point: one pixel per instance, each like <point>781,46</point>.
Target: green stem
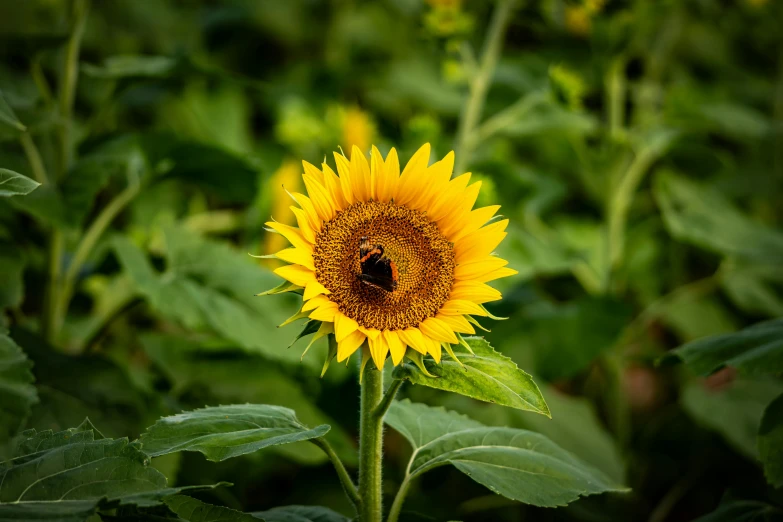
<point>70,76</point>
<point>53,285</point>
<point>399,499</point>
<point>387,400</point>
<point>345,479</point>
<point>370,445</point>
<point>86,245</point>
<point>481,82</point>
<point>508,116</point>
<point>34,158</point>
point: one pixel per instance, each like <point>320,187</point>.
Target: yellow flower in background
<point>577,20</point>
<point>400,260</point>
<point>757,3</point>
<point>287,175</point>
<point>358,129</point>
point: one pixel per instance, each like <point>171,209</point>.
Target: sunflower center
<point>424,259</point>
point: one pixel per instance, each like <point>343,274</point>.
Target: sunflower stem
<point>370,445</point>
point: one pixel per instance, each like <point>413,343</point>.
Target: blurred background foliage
<point>636,145</point>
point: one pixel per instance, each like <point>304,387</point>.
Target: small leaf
<point>756,350</point>
<point>700,215</point>
<point>17,393</point>
<point>192,510</point>
<point>301,514</point>
<point>132,66</point>
<point>8,117</point>
<point>518,464</point>
<point>771,442</point>
<point>223,432</point>
<point>484,374</point>
<point>14,184</point>
<point>62,511</point>
<point>310,328</point>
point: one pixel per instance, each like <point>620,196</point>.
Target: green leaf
<point>484,374</point>
<point>62,511</point>
<point>231,376</point>
<point>14,184</point>
<point>771,442</point>
<point>734,411</point>
<point>301,514</point>
<point>517,464</point>
<point>193,510</point>
<point>223,432</point>
<point>755,288</point>
<point>700,215</point>
<point>756,350</point>
<point>7,117</point>
<point>17,393</point>
<point>744,511</point>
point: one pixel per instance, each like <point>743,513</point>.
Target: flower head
<point>399,260</point>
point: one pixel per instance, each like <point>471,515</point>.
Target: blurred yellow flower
<point>394,259</point>
<point>577,20</point>
<point>358,129</point>
<point>757,3</point>
<point>288,175</point>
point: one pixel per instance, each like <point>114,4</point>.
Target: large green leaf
<point>734,411</point>
<point>223,432</point>
<point>517,464</point>
<point>756,350</point>
<point>193,510</point>
<point>61,511</point>
<point>14,184</point>
<point>744,511</point>
<point>215,374</point>
<point>771,442</point>
<point>702,216</point>
<point>210,286</point>
<point>484,374</point>
<point>17,393</point>
<point>301,514</point>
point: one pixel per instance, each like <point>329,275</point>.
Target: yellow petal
<point>413,338</point>
<point>344,170</point>
<point>438,330</point>
<point>457,323</point>
<point>347,346</point>
<point>291,234</point>
<point>314,302</point>
<point>332,184</point>
<point>473,221</point>
<point>360,175</point>
<point>480,243</point>
<point>444,203</point>
<point>412,178</point>
<point>478,268</point>
<point>379,348</point>
<point>344,326</point>
<point>304,224</point>
<point>475,292</point>
<point>298,275</point>
<point>371,333</point>
<point>309,208</point>
<point>497,274</point>
<point>461,307</point>
<point>396,347</point>
<point>324,206</point>
<point>456,219</point>
<point>297,256</point>
<point>312,170</point>
<point>325,312</point>
<point>377,175</point>
<point>437,178</point>
<point>313,289</point>
<point>391,168</point>
<point>433,348</point>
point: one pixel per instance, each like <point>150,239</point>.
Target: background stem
<point>399,499</point>
<point>345,479</point>
<point>370,445</point>
<point>480,84</point>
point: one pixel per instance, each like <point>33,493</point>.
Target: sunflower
<point>395,262</point>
